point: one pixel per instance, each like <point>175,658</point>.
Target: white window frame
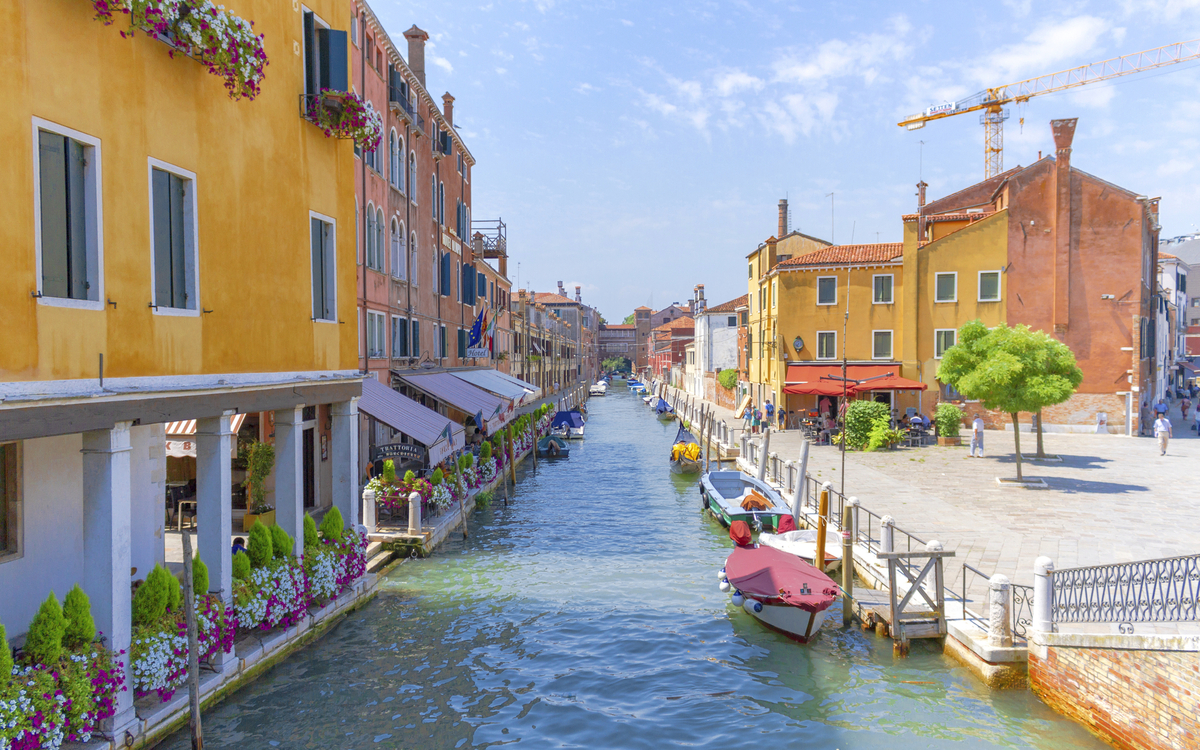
<point>93,190</point>
<point>413,276</point>
<point>382,250</point>
<point>979,285</point>
<point>937,276</point>
<point>774,293</point>
<point>412,177</point>
<point>332,266</point>
<point>835,291</point>
<point>399,253</point>
<point>936,331</point>
<point>368,250</point>
<point>317,20</point>
<point>376,334</point>
<point>891,343</point>
<point>817,349</point>
<point>191,243</point>
<point>399,323</point>
<point>892,288</point>
<point>393,159</point>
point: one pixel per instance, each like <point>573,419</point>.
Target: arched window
<point>393,160</point>
<point>400,179</point>
<point>435,267</point>
<point>433,195</point>
<point>371,262</point>
<point>399,256</point>
<point>441,204</point>
<point>380,240</point>
<point>412,175</point>
<point>412,258</point>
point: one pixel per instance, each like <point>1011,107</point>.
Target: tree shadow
<point>1071,486</point>
<point>1075,462</point>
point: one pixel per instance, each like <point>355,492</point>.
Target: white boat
<point>567,424</point>
<point>599,389</point>
<point>803,544</point>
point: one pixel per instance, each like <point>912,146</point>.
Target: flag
<point>479,419</point>
<point>491,331</point>
<point>445,433</point>
<point>477,330</point>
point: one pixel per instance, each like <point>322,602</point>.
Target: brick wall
<point>1080,409</point>
<point>1132,699</point>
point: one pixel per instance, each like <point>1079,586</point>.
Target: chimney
<point>1064,134</point>
<point>700,304</point>
<point>578,293</point>
<point>921,194</point>
<point>416,52</point>
<point>783,218</point>
<point>561,290</point>
<point>448,108</point>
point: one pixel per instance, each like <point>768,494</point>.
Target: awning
<point>463,396</point>
<point>533,389</point>
<point>490,380</point>
<point>808,378</point>
<point>893,383</point>
<point>181,436</point>
<point>437,433</point>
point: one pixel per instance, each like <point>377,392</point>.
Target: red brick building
<point>666,347</point>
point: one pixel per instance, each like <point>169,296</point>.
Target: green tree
<point>629,319</point>
<point>1011,370</point>
<point>728,379</point>
<point>81,628</point>
<point>260,460</point>
<point>44,641</point>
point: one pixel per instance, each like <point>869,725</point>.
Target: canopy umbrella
<point>890,383</point>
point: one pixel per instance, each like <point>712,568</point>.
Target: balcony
<point>398,96</point>
<point>489,238</point>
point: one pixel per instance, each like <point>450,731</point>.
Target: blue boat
<point>567,424</point>
<point>664,410</point>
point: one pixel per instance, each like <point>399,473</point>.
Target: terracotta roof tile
<point>1167,256</point>
<point>847,254</point>
<point>618,327</point>
<point>550,298</point>
<point>972,216</point>
<point>684,322</point>
<point>730,306</point>
<point>643,307</point>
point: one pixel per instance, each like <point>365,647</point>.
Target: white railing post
<point>852,502</point>
<point>368,509</point>
<point>414,513</point>
<point>1043,594</point>
<point>887,534</point>
<point>1000,611</point>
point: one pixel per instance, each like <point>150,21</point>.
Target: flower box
<point>949,440</point>
<point>268,519</point>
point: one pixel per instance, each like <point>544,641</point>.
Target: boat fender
<point>724,586</point>
<point>738,599</point>
<point>721,574</point>
<point>752,607</point>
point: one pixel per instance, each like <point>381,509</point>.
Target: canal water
<point>586,614</point>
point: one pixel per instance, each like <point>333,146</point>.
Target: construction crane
<point>990,102</point>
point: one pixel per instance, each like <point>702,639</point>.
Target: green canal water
<point>586,614</point>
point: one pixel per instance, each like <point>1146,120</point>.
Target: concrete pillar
<point>1043,595</point>
<point>887,535</point>
<point>289,474</point>
<point>345,460</point>
<point>1000,611</point>
<point>214,511</point>
<point>762,453</point>
<point>368,506</point>
<point>414,513</point>
<point>852,503</point>
<point>106,547</point>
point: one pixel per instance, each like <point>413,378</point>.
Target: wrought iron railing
<point>1165,590</point>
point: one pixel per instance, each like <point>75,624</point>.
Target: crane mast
<point>990,102</point>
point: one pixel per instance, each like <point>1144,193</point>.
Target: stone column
<point>106,545</point>
<point>368,506</point>
<point>345,460</point>
<point>1043,595</point>
<point>289,474</point>
<point>214,501</point>
<point>1000,611</point>
<point>887,535</point>
<point>414,513</point>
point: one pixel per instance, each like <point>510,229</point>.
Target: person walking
<point>1184,407</point>
<point>770,412</point>
<point>977,436</point>
<point>1162,431</point>
<point>1196,421</point>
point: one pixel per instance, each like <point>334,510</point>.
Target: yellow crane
<point>990,102</point>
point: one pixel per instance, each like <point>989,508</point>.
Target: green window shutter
<point>52,181</point>
<point>318,268</point>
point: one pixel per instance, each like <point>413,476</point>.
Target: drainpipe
<point>362,163</point>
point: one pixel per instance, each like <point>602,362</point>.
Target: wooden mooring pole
<point>848,560</point>
<point>189,615</point>
<point>822,522</point>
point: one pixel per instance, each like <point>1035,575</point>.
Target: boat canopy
<point>768,573</point>
<point>684,435</point>
<point>567,418</point>
<point>662,407</point>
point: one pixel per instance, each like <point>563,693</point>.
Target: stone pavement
<point>1111,499</point>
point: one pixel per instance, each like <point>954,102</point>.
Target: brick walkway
<point>1112,499</point>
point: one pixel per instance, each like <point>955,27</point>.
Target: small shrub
<point>409,476</point>
<point>485,451</point>
<point>310,529</point>
<point>727,379</point>
<point>199,576</point>
<point>81,628</point>
<point>241,566</point>
<point>882,435</point>
<point>281,543</point>
<point>438,477</point>
<point>948,418</point>
<point>389,471</point>
<point>6,660</point>
<point>332,525</point>
<point>174,592</point>
<point>44,641</point>
<point>260,460</point>
<point>259,547</point>
<point>483,499</point>
<point>150,599</point>
<point>860,419</point>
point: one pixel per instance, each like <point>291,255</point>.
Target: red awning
<point>808,378</point>
<point>893,383</point>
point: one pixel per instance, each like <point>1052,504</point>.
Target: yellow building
<point>176,264</point>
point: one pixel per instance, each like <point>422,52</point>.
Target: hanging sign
<point>407,451</point>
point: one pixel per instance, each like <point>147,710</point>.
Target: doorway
<point>310,468</point>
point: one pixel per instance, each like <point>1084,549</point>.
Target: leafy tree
<point>260,459</point>
<point>728,379</point>
<point>1011,370</point>
<point>861,416</point>
<point>629,319</point>
<point>81,628</point>
<point>44,641</point>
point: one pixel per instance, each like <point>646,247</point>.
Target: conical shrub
<point>260,547</point>
<point>44,641</point>
<point>332,526</point>
<point>281,543</point>
<point>81,628</point>
<point>199,576</point>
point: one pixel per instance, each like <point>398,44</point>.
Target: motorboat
<point>664,410</point>
<point>599,389</point>
<point>779,590</point>
<point>553,446</point>
<point>567,424</point>
<point>736,496</point>
<point>803,544</point>
<point>685,453</point>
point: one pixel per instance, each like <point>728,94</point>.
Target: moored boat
<point>600,388</point>
<point>685,453</point>
<point>664,410</point>
<point>803,544</point>
<point>780,590</point>
<point>553,446</point>
<point>567,424</point>
<point>735,496</point>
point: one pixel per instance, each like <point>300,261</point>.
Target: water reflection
<point>586,614</point>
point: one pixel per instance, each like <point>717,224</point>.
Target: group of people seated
<point>914,422</point>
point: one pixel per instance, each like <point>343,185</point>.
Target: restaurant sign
<point>405,451</point>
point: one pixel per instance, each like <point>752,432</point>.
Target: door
<point>310,469</point>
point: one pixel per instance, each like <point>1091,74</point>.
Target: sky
<point>640,148</point>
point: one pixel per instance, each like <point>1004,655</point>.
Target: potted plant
<point>948,419</point>
<point>260,460</point>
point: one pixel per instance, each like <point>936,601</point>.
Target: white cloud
<point>442,63</point>
<point>585,88</point>
<point>1174,167</point>
<point>1052,45</point>
<point>626,22</point>
<point>1019,8</point>
<point>838,57</point>
<point>733,81</point>
<point>501,71</point>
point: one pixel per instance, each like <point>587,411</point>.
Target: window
<point>433,195</point>
<point>380,240</point>
<point>750,268</point>
<point>415,339</point>
<point>881,345</point>
<point>399,337</point>
<point>989,286</point>
<point>394,161</point>
<point>443,348</point>
<point>441,204</point>
<point>945,287</point>
<point>376,335</point>
<point>731,321</point>
<point>462,344</point>
<point>826,344</point>
<point>775,293</point>
<point>68,232</point>
<point>412,255</point>
<point>436,268</point>
<point>412,176</point>
<point>325,56</point>
<point>324,267</point>
<point>827,290</point>
<point>371,261</point>
<point>398,158</point>
<point>10,502</point>
<point>173,237</point>
<point>943,339</point>
<point>446,275</point>
<point>399,254</point>
<point>883,289</point>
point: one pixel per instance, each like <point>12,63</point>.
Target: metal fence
<point>1165,590</point>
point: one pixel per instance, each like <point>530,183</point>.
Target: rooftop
<point>618,327</point>
<point>551,298</point>
<point>730,306</point>
<point>880,252</point>
<point>684,322</point>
